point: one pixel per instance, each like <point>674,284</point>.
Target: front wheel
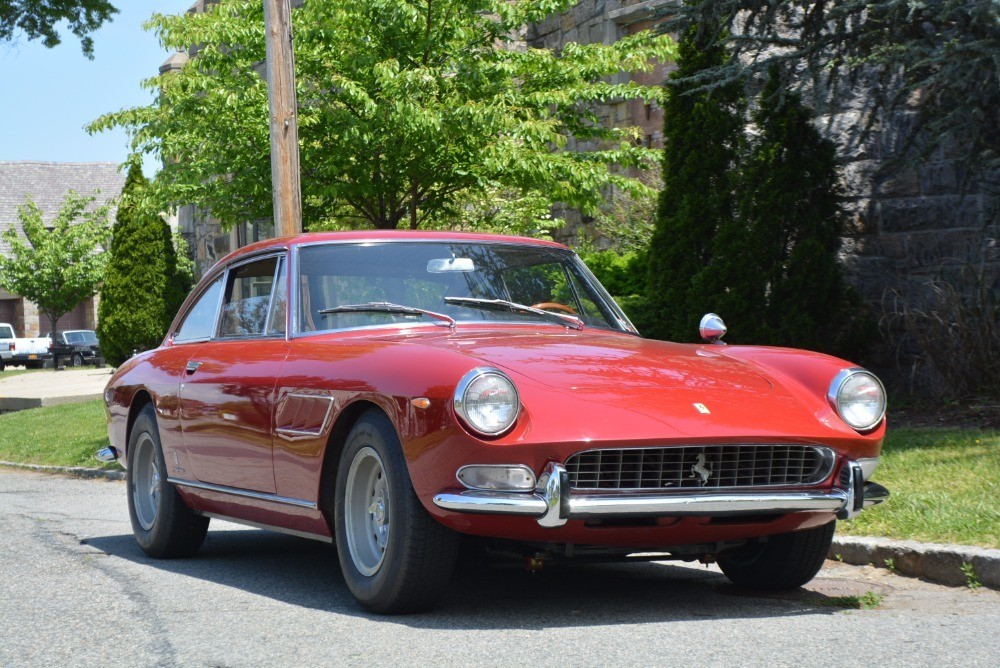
<point>395,557</point>
<point>785,561</point>
<point>78,360</point>
<point>163,525</point>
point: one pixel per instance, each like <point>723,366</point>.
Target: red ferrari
<point>391,392</point>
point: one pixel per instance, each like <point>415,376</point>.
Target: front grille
<point>700,467</point>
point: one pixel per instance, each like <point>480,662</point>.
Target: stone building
<point>47,184</point>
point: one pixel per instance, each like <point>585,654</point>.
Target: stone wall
<point>906,225</point>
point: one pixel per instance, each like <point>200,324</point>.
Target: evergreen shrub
<point>142,290</point>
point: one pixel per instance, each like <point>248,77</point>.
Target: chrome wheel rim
<point>146,482</point>
<point>366,511</point>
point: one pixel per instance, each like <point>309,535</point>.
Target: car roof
<point>381,235</point>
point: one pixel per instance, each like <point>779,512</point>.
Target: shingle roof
<point>47,184</point>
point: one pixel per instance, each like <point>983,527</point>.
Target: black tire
<point>785,561</point>
<point>410,571</point>
<point>163,525</point>
<point>78,360</point>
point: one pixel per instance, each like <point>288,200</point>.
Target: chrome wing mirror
<point>712,329</point>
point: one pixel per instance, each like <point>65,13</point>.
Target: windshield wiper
<point>389,307</point>
<point>513,307</point>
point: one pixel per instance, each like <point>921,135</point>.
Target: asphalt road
<point>76,591</point>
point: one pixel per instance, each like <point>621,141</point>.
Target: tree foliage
<point>936,57</point>
<point>59,266</point>
<point>40,19</point>
<point>703,142</point>
<point>407,110</point>
<point>778,279</point>
<point>142,287</point>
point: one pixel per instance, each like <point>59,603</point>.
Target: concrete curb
<point>77,471</point>
<point>929,561</point>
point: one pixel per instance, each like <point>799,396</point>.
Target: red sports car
<point>391,392</point>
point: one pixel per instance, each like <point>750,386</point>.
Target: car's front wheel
<point>77,359</point>
<point>162,523</point>
<point>395,557</point>
<point>785,561</point>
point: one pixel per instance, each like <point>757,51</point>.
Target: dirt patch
<point>975,413</point>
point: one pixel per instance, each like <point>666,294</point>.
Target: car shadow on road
<point>494,595</point>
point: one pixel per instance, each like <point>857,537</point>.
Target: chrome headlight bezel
<point>834,395</point>
<point>461,400</point>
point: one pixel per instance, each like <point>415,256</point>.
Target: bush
<point>142,287</point>
<point>957,329</point>
<point>703,137</point>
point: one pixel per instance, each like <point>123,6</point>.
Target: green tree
<point>703,138</point>
<point>58,266</point>
<point>777,268</point>
<point>40,19</point>
<point>935,57</point>
<point>142,287</point>
<point>407,110</point>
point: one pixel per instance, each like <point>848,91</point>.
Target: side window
<point>248,298</point>
<point>200,320</point>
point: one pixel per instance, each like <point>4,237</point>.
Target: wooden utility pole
<point>283,107</point>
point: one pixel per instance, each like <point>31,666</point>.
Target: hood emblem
<point>702,408</point>
<point>700,469</point>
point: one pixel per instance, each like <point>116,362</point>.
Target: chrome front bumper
<point>553,504</point>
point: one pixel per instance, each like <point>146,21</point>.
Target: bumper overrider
<point>552,503</point>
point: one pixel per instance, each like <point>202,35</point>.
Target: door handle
<point>192,366</point>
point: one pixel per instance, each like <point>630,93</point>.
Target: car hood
<point>597,360</point>
<point>605,380</point>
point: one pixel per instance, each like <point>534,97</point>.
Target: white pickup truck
<point>22,352</point>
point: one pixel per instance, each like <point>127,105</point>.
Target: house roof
<point>47,184</point>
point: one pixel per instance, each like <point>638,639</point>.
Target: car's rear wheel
<point>395,557</point>
<point>785,561</point>
<point>162,523</point>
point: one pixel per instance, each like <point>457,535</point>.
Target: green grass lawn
<point>945,483</point>
<point>66,435</point>
<point>945,486</point>
<point>11,371</point>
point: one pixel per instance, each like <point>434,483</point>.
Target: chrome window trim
<point>245,493</point>
<point>218,307</point>
<point>256,257</point>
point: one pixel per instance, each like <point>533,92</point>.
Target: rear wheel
<point>162,523</point>
<point>785,561</point>
<point>395,557</point>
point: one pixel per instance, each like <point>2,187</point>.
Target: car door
<point>227,390</point>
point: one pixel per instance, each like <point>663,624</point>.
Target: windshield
<point>461,280</point>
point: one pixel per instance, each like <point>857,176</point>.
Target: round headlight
<point>487,401</point>
<point>858,397</point>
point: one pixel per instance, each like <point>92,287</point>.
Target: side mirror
<point>712,329</point>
